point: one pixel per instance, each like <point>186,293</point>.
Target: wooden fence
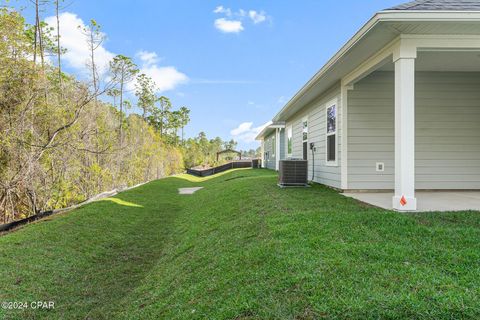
<point>224,167</point>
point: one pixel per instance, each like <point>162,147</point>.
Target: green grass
<point>242,248</point>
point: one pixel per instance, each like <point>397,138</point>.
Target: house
<point>397,108</point>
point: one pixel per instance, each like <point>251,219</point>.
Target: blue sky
<point>233,63</point>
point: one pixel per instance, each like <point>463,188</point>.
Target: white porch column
<point>404,198</point>
<point>277,149</point>
<point>344,135</point>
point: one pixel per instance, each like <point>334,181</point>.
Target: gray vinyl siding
<point>447,134</point>
<point>371,132</point>
<point>282,145</point>
<point>269,144</point>
<point>316,113</point>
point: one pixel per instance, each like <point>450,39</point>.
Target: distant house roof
<point>229,151</point>
<point>440,5</point>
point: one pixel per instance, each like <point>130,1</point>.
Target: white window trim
<point>305,119</point>
<point>264,155</point>
<point>329,105</point>
<point>273,143</point>
<point>289,130</point>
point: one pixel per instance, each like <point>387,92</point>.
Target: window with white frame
<point>273,146</point>
<point>305,138</point>
<point>331,134</point>
<point>289,141</point>
<point>305,129</point>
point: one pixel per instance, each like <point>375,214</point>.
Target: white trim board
<point>330,104</point>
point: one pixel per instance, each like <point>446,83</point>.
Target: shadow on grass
<point>89,260</point>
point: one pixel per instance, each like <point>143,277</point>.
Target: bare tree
<point>184,120</point>
<point>145,92</point>
<point>164,111</point>
<point>59,48</point>
<point>95,39</point>
<point>123,71</point>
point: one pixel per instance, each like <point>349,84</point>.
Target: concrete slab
<point>188,190</point>
<point>426,201</point>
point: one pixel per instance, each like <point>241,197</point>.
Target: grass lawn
<point>242,248</point>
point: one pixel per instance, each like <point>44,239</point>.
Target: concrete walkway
<point>189,190</point>
<point>426,201</point>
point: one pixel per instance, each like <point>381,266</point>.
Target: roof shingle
<point>440,5</point>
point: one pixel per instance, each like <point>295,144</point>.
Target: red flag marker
<point>403,201</point>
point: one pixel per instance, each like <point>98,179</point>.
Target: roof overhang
<point>378,32</point>
<point>269,129</point>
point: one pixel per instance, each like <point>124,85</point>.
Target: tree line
<point>63,140</point>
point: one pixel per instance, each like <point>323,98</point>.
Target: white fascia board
<point>382,16</point>
<point>269,129</point>
<point>429,15</point>
<point>263,134</point>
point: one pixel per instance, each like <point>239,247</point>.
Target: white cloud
<point>147,57</point>
<point>221,9</point>
<point>245,132</point>
<point>242,128</point>
<point>257,17</point>
<point>228,26</point>
<point>235,25</point>
<point>78,55</point>
<point>72,39</point>
<point>166,78</point>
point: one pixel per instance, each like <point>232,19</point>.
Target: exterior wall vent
<point>293,173</point>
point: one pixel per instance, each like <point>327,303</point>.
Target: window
<point>289,140</point>
<point>305,138</point>
<point>305,129</point>
<point>273,146</point>
<point>331,134</point>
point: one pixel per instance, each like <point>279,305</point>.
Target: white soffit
<point>376,34</point>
